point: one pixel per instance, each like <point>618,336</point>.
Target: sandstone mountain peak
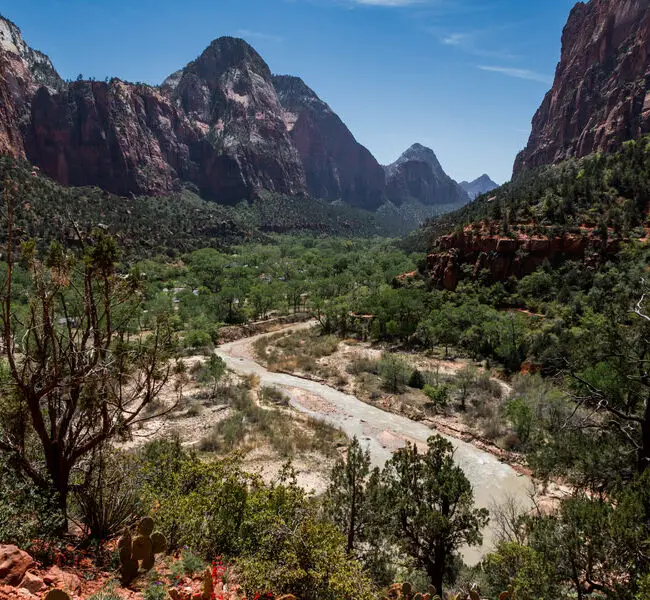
<point>418,175</point>
<point>420,153</point>
<point>600,95</point>
<point>221,54</point>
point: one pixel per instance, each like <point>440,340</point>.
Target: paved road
<point>382,432</point>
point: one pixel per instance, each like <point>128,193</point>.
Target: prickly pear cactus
<point>140,552</point>
<point>56,594</point>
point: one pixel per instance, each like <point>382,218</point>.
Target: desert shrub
<point>274,396</point>
<point>108,592</point>
<point>191,563</point>
<point>522,570</point>
<point>200,505</point>
<point>225,435</point>
<point>394,372</point>
<point>438,395</point>
<point>358,366</point>
<point>156,590</point>
<point>26,513</point>
<point>281,521</point>
<point>108,499</point>
<point>520,414</point>
<point>417,380</point>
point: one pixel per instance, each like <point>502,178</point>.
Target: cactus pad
<point>145,527</point>
<point>142,547</point>
<point>159,542</point>
<point>56,594</point>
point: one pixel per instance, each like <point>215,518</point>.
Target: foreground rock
<point>600,95</point>
<point>14,563</point>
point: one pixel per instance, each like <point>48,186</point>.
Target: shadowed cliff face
<point>22,71</point>
<point>417,175</point>
<point>600,96</point>
<point>337,167</point>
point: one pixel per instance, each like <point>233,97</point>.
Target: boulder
<point>13,565</point>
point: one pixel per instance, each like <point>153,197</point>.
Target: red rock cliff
<point>495,257</point>
<point>600,96</point>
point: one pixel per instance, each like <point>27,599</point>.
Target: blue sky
<point>461,76</point>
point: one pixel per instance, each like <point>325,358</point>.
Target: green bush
<point>156,591</point>
<point>28,517</point>
<point>394,372</point>
<point>191,563</point>
<point>438,394</point>
<point>417,380</point>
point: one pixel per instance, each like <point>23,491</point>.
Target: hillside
<point>167,225</point>
<point>578,208</point>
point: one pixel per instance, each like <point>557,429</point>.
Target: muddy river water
<point>382,433</point>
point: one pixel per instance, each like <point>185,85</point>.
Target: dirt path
<point>383,433</point>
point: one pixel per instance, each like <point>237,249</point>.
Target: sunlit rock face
<point>600,96</point>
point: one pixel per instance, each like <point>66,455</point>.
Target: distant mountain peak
<point>481,185</point>
<point>418,153</point>
<point>418,175</point>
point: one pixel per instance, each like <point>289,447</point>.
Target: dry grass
<point>253,423</point>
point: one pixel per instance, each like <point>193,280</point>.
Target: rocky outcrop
<point>601,93</point>
<point>418,176</point>
<point>493,257</point>
<point>14,563</point>
<point>216,124</point>
<point>479,186</point>
<point>118,136</point>
<point>336,166</point>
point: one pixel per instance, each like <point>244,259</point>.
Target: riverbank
<point>383,432</point>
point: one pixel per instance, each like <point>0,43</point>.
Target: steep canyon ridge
<point>223,126</point>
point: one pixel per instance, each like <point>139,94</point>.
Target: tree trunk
<point>435,571</point>
<point>643,456</point>
<point>60,474</point>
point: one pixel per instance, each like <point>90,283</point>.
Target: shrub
<point>108,592</point>
<point>394,372</point>
<point>521,416</point>
<point>108,499</point>
<point>358,366</point>
<point>26,514</point>
<point>191,563</point>
<point>417,380</point>
<point>273,396</point>
<point>155,591</point>
<point>439,395</point>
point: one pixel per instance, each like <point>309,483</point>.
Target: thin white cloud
<point>259,36</point>
<point>456,39</point>
<point>518,73</point>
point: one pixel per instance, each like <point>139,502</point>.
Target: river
<point>382,433</point>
